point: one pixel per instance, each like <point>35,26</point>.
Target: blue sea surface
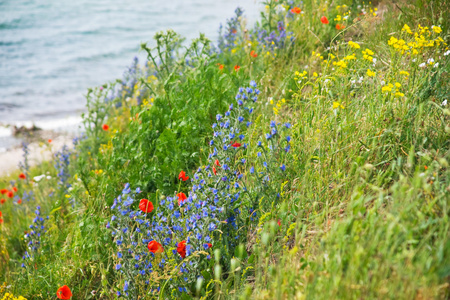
<point>52,51</point>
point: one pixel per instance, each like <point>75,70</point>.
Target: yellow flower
<point>370,73</point>
<point>354,45</point>
<point>337,105</point>
<point>436,29</point>
<point>341,64</point>
<point>367,54</point>
<point>407,29</point>
<point>404,73</point>
<point>398,94</point>
<point>387,88</point>
<point>398,85</point>
<point>315,74</point>
<point>338,18</point>
<point>350,57</point>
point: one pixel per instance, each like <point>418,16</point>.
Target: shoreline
<point>42,143</point>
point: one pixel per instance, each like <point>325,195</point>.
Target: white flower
<point>436,65</point>
<point>38,178</point>
<point>49,177</point>
<point>414,60</point>
<point>447,53</point>
<point>383,82</point>
<point>430,61</point>
<point>422,65</point>
<point>360,80</point>
<point>444,103</point>
<point>374,60</point>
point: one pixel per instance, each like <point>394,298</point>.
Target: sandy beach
<point>39,151</point>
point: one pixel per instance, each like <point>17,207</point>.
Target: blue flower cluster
<point>62,162</point>
<point>35,235</point>
<point>232,34</point>
<point>215,214</point>
<point>274,39</point>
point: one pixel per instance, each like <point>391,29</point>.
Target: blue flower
<point>253,83</point>
<point>283,167</point>
<point>288,139</point>
<point>272,124</point>
<point>288,125</point>
<point>211,226</point>
<point>252,170</point>
<point>218,117</point>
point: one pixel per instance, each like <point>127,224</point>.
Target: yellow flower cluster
<point>420,41</point>
<point>9,296</point>
<point>341,64</point>
<point>350,57</point>
<point>370,73</point>
<point>299,75</point>
<point>148,102</point>
<point>368,54</point>
<point>277,106</point>
<point>337,105</point>
<point>354,45</point>
<point>395,88</point>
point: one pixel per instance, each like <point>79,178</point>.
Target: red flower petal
<point>146,206</point>
<point>324,20</point>
<point>155,247</point>
<point>64,292</point>
<point>181,249</point>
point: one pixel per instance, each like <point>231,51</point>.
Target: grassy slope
<point>361,216</point>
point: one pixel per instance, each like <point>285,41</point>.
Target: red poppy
<point>14,189</point>
<point>1,221</point>
<point>155,247</point>
<point>105,127</point>
<point>3,191</point>
<point>2,201</point>
<point>183,176</point>
<point>235,145</point>
<point>324,20</point>
<point>19,201</point>
<point>22,176</point>
<point>64,292</point>
<point>10,194</point>
<point>181,198</point>
<point>340,26</point>
<point>236,68</point>
<point>296,10</point>
<point>253,53</point>
<point>49,140</point>
<point>214,171</point>
<point>0,214</point>
<point>220,66</point>
<point>181,249</point>
<point>146,206</point>
<point>279,222</point>
<point>217,163</point>
<point>209,245</point>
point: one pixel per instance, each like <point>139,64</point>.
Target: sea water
<point>52,51</point>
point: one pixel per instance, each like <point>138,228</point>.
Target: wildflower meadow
<point>303,157</point>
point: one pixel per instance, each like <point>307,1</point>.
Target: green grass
<point>364,212</point>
